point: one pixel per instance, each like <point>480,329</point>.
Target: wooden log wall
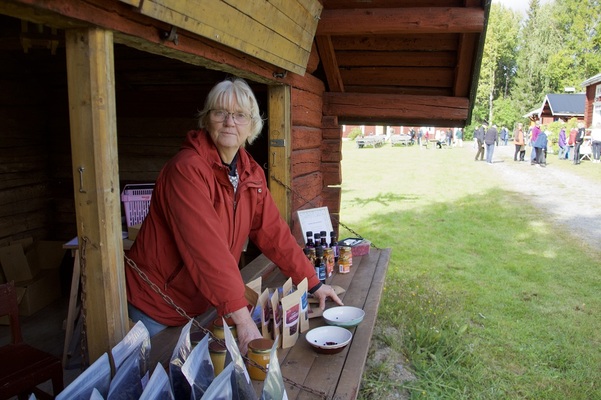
<point>157,99</point>
<point>27,118</point>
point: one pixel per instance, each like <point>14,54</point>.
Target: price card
<point>315,220</point>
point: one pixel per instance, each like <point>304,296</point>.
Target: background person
<point>596,143</point>
<point>491,137</point>
<point>518,141</point>
<point>207,201</point>
<point>578,142</point>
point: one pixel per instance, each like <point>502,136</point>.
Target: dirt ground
<point>571,201</point>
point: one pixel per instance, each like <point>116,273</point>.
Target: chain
<point>206,331</point>
<point>83,283</point>
<point>312,204</point>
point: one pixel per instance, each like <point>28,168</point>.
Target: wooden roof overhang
<point>401,62</point>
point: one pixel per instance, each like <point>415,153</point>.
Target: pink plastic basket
<point>136,201</point>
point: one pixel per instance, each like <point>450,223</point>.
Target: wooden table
<point>338,376</point>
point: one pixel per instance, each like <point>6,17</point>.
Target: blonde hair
<point>227,93</point>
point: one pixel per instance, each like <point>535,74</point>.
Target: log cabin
<point>97,94</point>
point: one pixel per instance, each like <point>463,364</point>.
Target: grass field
<point>484,299</point>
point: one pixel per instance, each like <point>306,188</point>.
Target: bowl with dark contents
<point>344,316</point>
<point>329,339</point>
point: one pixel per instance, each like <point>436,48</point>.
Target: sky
<point>517,5</point>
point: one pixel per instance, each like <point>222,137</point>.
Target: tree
<point>498,61</point>
<point>539,41</point>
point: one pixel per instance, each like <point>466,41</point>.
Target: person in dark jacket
<point>208,199</point>
<point>578,142</point>
<point>540,148</point>
<point>490,138</point>
<point>479,136</point>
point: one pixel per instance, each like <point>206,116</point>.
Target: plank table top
<point>329,376</point>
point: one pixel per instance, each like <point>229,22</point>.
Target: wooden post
<point>91,79</point>
<point>280,147</point>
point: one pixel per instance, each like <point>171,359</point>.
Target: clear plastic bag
<point>158,387</point>
<point>96,376</point>
<point>198,369</point>
<point>181,351</point>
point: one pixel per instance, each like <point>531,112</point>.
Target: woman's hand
<point>246,328</point>
<point>323,293</point>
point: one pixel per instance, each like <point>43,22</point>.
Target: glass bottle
<point>334,245</point>
<point>320,266</point>
<point>310,242</point>
<point>323,239</point>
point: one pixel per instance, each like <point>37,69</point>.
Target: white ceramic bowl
<point>329,339</point>
<point>345,316</point>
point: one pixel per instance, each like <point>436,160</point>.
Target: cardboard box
<point>35,270</point>
<point>15,264</point>
<point>359,246</point>
<point>40,292</point>
<point>132,231</point>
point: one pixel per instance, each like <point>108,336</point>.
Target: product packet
<point>304,302</point>
<point>126,383</point>
<point>136,341</point>
<point>221,387</point>
<point>96,376</point>
<point>94,396</point>
<point>291,312</point>
<point>198,368</point>
<point>264,307</point>
<point>158,387</point>
<point>276,316</point>
<point>181,351</point>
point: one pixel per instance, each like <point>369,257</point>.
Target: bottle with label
<point>334,245</point>
<point>323,239</point>
<point>320,266</point>
<point>317,239</point>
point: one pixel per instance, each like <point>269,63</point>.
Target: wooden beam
<point>389,21</point>
<point>330,64</point>
<point>396,59</point>
<point>401,76</point>
<point>93,121</point>
<point>280,147</point>
<point>463,72</point>
<point>394,107</point>
<point>391,43</point>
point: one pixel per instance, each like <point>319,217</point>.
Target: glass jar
<point>218,328</point>
<point>345,260</point>
<point>217,351</point>
<point>259,351</point>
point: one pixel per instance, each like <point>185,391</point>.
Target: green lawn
<point>484,299</point>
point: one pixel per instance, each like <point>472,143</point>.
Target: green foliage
<point>557,45</point>
<point>354,133</point>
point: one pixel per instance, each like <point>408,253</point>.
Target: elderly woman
<point>207,201</point>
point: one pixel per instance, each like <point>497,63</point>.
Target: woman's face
<point>228,129</point>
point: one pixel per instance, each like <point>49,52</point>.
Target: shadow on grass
<point>384,199</point>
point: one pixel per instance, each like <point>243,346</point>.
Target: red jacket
<point>190,242</point>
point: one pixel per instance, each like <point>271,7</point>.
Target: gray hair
<point>223,96</point>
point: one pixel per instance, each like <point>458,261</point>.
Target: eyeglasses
<point>221,115</point>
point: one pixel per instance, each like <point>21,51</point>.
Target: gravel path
<point>571,200</point>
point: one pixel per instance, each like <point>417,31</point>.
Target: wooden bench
<point>335,376</point>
